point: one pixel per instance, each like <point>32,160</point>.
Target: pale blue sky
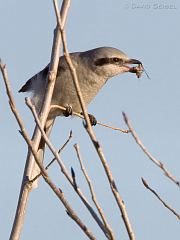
<point>142,31</point>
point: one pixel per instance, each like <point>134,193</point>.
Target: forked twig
<point>160,199</point>
<point>54,159</point>
<point>60,150</point>
<point>93,195</point>
<point>153,159</point>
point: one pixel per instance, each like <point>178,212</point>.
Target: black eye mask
<point>104,61</point>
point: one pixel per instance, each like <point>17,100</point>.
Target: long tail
<point>35,169</point>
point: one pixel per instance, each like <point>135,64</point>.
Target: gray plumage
<point>93,67</point>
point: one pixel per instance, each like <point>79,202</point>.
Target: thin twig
<point>63,168</point>
<point>160,199</point>
<point>60,150</point>
<point>99,123</point>
<point>92,136</point>
<point>58,193</point>
<point>153,159</point>
<point>54,159</point>
<point>93,195</point>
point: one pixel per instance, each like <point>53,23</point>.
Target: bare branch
<point>63,168</point>
<point>153,159</point>
<point>94,140</point>
<point>50,82</point>
<point>93,195</point>
<point>99,123</point>
<point>58,193</point>
<point>31,166</point>
<point>54,159</point>
<point>160,199</point>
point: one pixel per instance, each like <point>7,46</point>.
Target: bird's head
<point>109,62</point>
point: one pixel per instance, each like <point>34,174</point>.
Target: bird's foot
<point>92,119</point>
<point>68,111</point>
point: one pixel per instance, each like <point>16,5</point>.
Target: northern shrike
<point>93,67</point>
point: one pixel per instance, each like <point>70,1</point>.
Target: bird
<point>94,68</point>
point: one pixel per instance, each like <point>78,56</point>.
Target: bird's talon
<point>68,111</point>
<point>92,120</point>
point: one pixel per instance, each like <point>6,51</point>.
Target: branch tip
<point>72,172</point>
<point>125,117</point>
<point>70,134</point>
<point>2,65</point>
<point>148,154</point>
<point>20,132</point>
<point>144,182</point>
<point>160,199</point>
<point>68,213</point>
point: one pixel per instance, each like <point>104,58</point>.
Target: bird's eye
<point>115,59</point>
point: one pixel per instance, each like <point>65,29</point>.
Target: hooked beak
<point>133,61</point>
<point>135,69</point>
